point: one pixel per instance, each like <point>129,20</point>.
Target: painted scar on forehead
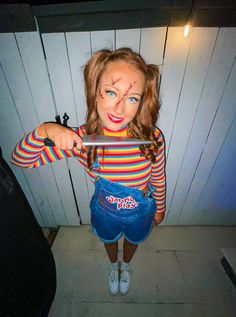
<point>100,94</point>
<point>127,92</point>
<point>114,81</point>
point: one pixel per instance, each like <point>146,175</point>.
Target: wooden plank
<point>173,67</point>
<point>34,63</point>
<point>105,15</point>
<point>10,132</point>
<point>152,45</point>
<point>102,40</point>
<point>17,81</point>
<point>218,200</point>
<point>79,52</point>
<point>51,186</point>
<point>202,44</point>
<point>13,68</point>
<point>175,59</point>
<point>128,38</point>
<point>66,193</point>
<point>220,128</point>
<point>30,47</point>
<point>23,181</point>
<point>39,191</point>
<point>105,21</point>
<point>219,68</point>
<point>63,90</point>
<point>16,18</point>
<point>59,71</point>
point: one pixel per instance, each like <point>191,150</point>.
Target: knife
<point>102,140</point>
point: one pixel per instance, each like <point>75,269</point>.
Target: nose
<point>119,106</point>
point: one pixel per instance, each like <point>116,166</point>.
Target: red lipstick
<point>114,119</point>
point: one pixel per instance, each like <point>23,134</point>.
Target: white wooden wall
<point>42,76</point>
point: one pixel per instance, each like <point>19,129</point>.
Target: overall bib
<point>118,210</point>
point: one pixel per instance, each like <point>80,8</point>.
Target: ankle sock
<point>125,266</point>
<point>114,266</point>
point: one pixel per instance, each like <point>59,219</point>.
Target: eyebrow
<point>133,93</point>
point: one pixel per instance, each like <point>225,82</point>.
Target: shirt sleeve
<point>158,176</point>
<point>31,152</point>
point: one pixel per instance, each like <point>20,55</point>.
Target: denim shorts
<point>118,210</point>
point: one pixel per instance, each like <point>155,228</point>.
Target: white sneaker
<point>113,280</point>
<point>124,280</point>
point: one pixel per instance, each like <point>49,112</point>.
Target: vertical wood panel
<point>152,45</point>
<point>194,210</point>
<point>33,59</point>
<point>10,132</point>
<point>65,189</point>
<point>18,84</point>
<point>59,71</point>
<point>128,38</point>
<point>218,200</point>
<point>202,45</point>
<point>15,73</point>
<point>220,66</point>
<point>56,50</point>
<point>79,52</point>
<point>175,59</point>
<point>102,39</point>
<point>30,49</point>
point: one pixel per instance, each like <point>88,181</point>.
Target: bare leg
<point>112,251</point>
<point>128,251</point>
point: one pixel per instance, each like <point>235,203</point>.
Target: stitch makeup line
<point>127,92</point>
<point>100,94</point>
<point>114,81</point>
<point>122,87</point>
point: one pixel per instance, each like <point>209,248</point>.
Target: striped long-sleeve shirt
<point>123,164</point>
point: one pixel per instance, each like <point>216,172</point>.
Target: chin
<point>114,127</point>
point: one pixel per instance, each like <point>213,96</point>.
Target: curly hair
<point>143,124</point>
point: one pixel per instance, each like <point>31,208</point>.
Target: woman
<point>129,198</point>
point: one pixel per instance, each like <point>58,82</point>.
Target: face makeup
<point>119,95</point>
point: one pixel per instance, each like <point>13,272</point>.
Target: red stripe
<point>125,172</point>
<point>105,163</point>
<point>26,153</point>
<point>48,157</point>
<point>123,180</point>
<point>119,154</point>
<point>55,152</point>
<point>31,144</point>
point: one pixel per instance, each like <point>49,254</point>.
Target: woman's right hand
<point>63,137</point>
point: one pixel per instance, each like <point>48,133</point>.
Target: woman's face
<point>119,94</point>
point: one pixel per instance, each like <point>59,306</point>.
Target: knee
<point>110,244</point>
<point>130,244</point>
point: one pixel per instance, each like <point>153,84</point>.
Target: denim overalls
<point>118,210</point>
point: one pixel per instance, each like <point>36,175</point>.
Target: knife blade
<point>103,140</point>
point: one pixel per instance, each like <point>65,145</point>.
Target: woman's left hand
<point>158,218</point>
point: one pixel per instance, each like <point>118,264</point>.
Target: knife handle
<point>49,142</point>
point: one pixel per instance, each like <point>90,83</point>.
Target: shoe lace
<point>114,275</point>
<point>124,276</point>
